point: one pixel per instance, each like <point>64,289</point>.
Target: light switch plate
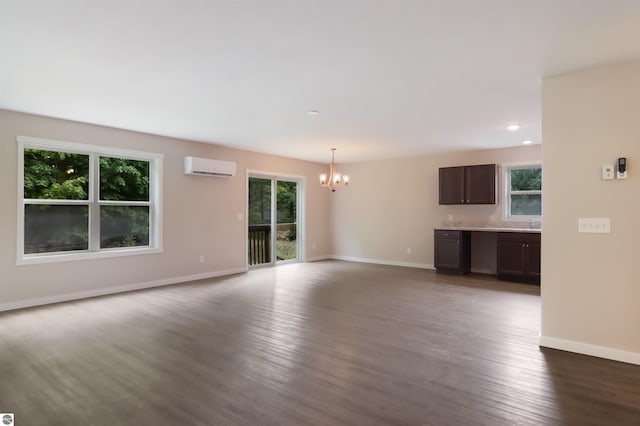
<point>607,172</point>
<point>594,225</point>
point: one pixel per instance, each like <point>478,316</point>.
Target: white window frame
<point>93,202</point>
<point>506,180</point>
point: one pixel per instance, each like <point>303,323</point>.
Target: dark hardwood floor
<point>326,343</point>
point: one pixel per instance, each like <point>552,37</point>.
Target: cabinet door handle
<point>523,245</point>
<point>457,242</point>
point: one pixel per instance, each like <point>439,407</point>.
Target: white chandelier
<point>335,178</point>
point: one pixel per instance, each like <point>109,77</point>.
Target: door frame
<point>300,215</point>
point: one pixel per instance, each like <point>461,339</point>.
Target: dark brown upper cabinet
<point>468,184</point>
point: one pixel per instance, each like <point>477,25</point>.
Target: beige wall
<point>393,205</point>
<point>590,289</point>
<point>590,282</point>
<point>200,214</point>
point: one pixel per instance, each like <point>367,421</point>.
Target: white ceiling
<point>390,78</point>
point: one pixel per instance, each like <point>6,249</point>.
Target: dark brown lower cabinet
<point>452,251</point>
<point>519,256</point>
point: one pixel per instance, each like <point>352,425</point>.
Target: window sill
<point>85,255</point>
<point>522,218</point>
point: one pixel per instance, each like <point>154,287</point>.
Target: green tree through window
<point>53,175</point>
<point>59,207</point>
<point>524,197</point>
<point>124,180</point>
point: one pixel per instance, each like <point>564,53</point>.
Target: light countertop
<point>490,229</point>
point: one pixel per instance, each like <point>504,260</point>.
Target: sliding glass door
<point>286,220</point>
<point>273,210</point>
<point>260,215</point>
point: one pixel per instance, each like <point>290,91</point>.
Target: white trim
<point>301,190</point>
<point>52,202</point>
<point>274,221</point>
<point>94,204</point>
<point>27,303</point>
<point>246,220</point>
<point>318,258</point>
<point>392,263</point>
<point>70,256</point>
<point>592,350</point>
<point>155,161</point>
<point>156,210</point>
<point>383,262</point>
<point>301,203</point>
<point>119,203</point>
<point>506,185</point>
<point>271,175</point>
<point>20,204</point>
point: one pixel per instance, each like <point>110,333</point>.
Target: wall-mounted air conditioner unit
<point>207,167</point>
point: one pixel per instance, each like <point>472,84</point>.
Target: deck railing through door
<point>259,244</point>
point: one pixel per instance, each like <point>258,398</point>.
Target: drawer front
<point>522,237</point>
<point>447,234</point>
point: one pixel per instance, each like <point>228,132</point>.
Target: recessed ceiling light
<point>513,127</point>
<point>313,112</point>
<point>527,142</point>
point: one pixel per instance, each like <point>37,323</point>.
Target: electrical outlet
<point>594,225</point>
<point>408,250</point>
<point>201,258</point>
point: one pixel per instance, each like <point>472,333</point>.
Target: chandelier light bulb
<point>333,179</point>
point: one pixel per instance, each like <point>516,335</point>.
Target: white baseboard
<point>318,258</point>
<point>397,263</point>
<point>113,290</point>
<point>384,262</point>
<point>592,350</point>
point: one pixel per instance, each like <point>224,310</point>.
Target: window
<point>81,201</point>
<point>523,185</point>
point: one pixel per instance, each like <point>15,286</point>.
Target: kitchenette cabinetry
<point>468,184</point>
<point>518,256</point>
<point>517,252</point>
<point>452,251</point>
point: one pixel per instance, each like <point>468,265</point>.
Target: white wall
<point>590,282</point>
<point>393,205</point>
<point>200,215</point>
